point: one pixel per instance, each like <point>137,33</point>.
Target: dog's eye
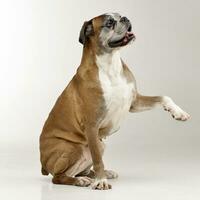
<point>110,23</point>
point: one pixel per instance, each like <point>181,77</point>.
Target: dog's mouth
<point>123,41</point>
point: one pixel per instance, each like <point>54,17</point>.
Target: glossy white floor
<point>145,172</point>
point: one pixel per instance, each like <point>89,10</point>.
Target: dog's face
<point>115,31</point>
<point>108,31</point>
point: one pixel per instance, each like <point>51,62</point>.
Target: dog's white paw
<point>176,112</point>
<point>83,181</point>
<point>101,184</point>
<point>111,174</point>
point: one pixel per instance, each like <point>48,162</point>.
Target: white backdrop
<point>39,54</point>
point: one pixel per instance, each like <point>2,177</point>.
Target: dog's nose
<point>124,20</point>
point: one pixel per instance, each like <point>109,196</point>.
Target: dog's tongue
<point>127,36</point>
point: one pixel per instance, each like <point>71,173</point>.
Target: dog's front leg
<point>95,146</point>
<point>142,103</point>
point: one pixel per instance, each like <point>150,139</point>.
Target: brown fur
<point>73,123</point>
<point>73,126</point>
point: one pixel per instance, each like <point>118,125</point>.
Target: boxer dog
<point>98,97</point>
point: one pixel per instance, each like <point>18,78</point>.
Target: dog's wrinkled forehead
<point>115,16</point>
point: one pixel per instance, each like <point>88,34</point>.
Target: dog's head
<point>108,31</point>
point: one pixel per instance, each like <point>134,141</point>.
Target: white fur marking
<point>111,174</point>
<point>100,184</point>
<point>175,110</point>
<point>117,92</point>
<point>83,181</point>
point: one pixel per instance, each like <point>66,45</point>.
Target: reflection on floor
<point>156,175</point>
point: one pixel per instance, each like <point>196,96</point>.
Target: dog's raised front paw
<point>176,112</point>
<point>101,184</point>
<point>111,174</point>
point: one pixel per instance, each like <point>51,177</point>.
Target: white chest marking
<point>117,92</point>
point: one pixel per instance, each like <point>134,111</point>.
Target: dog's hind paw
<point>111,174</point>
<point>83,181</point>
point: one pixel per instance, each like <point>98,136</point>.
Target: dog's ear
<point>86,31</point>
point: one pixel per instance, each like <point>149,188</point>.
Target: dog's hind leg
<point>91,174</point>
<point>68,176</point>
<point>87,172</point>
<point>44,172</point>
<point>69,164</point>
<point>63,179</point>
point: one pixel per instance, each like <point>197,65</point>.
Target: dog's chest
<point>117,92</point>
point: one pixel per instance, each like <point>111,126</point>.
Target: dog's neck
<point>88,55</point>
<point>110,63</point>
